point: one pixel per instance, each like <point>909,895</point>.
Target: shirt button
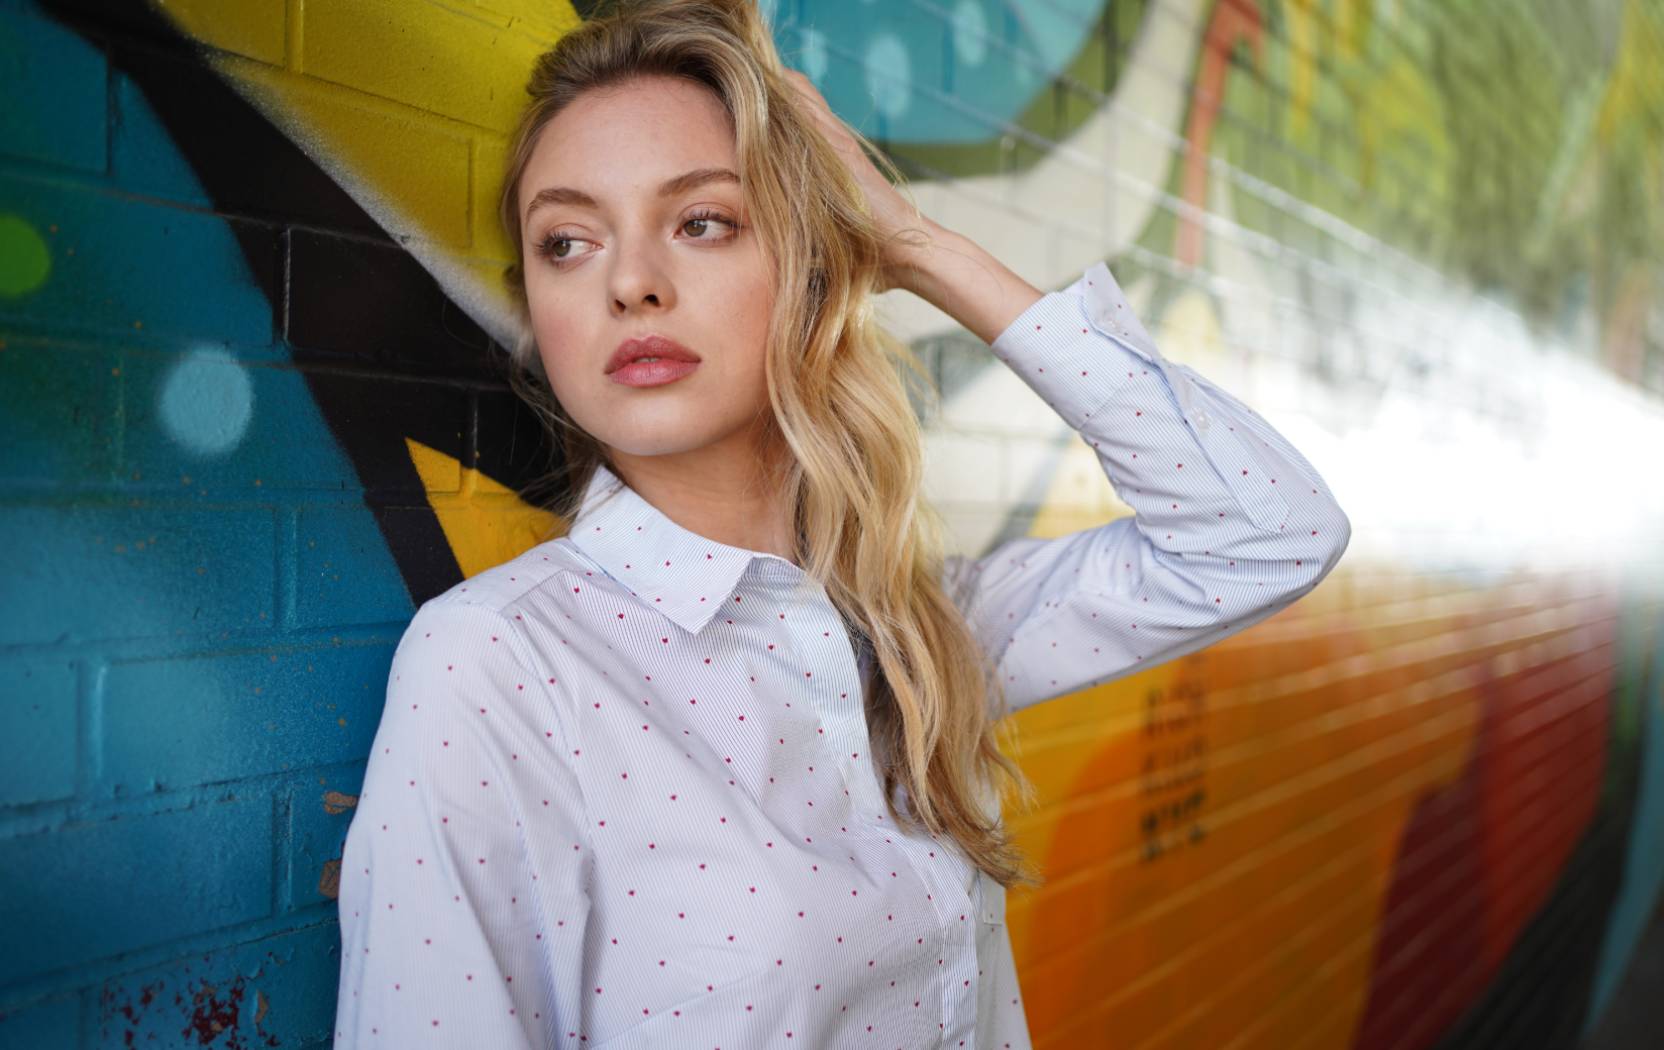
<point>1202,420</point>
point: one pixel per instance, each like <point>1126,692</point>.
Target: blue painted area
<point>60,411</point>
<point>280,991</point>
<point>884,67</point>
<point>37,730</point>
<point>176,723</point>
<point>318,819</point>
<point>53,84</point>
<point>102,887</point>
<point>238,427</point>
<point>88,573</point>
<point>143,389</point>
<point>331,587</point>
<point>48,1024</point>
<point>142,156</point>
<point>205,402</point>
<point>1643,883</point>
<point>133,267</point>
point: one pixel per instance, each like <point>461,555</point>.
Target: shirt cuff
<point>1078,347</point>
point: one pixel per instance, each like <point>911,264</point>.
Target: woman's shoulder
<point>526,578</point>
<point>495,604</point>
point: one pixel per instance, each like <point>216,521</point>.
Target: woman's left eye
<point>702,222</point>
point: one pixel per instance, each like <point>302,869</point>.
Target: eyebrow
<point>688,180</point>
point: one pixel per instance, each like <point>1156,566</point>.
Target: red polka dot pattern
<point>622,790</point>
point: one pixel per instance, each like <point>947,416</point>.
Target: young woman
<point>718,767</point>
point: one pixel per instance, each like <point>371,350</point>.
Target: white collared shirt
<point>621,794</point>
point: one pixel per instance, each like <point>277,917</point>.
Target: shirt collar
<point>686,576</point>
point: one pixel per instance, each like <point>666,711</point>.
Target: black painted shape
<point>246,166</point>
<point>510,436</point>
<point>354,298</point>
<point>1542,990</point>
<point>384,325</point>
<point>435,414</point>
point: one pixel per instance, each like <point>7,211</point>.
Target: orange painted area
<point>1383,733</point>
<point>1255,926</point>
<point>1233,21</point>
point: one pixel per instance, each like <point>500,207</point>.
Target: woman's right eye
<point>557,248</point>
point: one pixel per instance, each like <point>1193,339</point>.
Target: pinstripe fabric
<point>620,795</point>
<point>1231,523</point>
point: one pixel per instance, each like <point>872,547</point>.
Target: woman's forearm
<point>958,277</point>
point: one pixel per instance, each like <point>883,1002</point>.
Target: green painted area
<point>1054,113</point>
<point>25,260</point>
<point>1518,148</point>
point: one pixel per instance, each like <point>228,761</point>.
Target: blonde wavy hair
<point>855,463</point>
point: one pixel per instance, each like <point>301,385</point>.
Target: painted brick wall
<point>251,417</point>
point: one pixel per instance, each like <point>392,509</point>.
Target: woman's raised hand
<point>947,270</point>
<point>907,231</point>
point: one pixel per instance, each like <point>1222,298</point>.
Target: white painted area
<point>970,33</point>
<point>205,402</point>
<point>814,56</point>
<point>1099,185</point>
<point>889,75</point>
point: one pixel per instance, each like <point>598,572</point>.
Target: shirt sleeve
<point>1230,523</point>
<point>462,895</point>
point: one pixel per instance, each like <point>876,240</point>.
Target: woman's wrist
<point>957,276</point>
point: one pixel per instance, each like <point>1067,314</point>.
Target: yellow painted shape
<point>424,55</point>
<point>408,171</point>
<point>1636,87</point>
<point>1353,20</point>
<point>485,523</point>
<point>389,100</point>
<point>1400,110</point>
<point>255,29</point>
<point>1302,39</point>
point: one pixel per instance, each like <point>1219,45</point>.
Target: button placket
<point>838,701</point>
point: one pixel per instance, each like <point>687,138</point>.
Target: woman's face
<point>633,227</point>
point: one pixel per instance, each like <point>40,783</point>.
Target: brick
<point>55,1022</point>
<point>90,891</point>
<point>37,730</point>
<point>489,158</point>
<point>278,991</point>
<point>430,564</point>
<point>430,58</point>
<point>320,811</point>
<point>509,442</point>
<point>375,417</point>
<point>235,423</point>
<point>86,572</point>
<point>343,573</point>
<point>53,84</point>
<point>174,723</point>
<point>130,266</point>
<point>186,134</point>
<point>59,412</point>
<point>253,28</point>
<point>350,297</point>
<point>408,170</point>
<point>545,23</point>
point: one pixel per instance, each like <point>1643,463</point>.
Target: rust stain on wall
<point>335,802</point>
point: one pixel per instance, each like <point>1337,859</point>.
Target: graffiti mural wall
<point>254,414</point>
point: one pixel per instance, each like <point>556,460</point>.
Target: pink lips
<point>675,361</point>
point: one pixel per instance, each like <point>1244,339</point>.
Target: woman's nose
<point>638,279</point>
